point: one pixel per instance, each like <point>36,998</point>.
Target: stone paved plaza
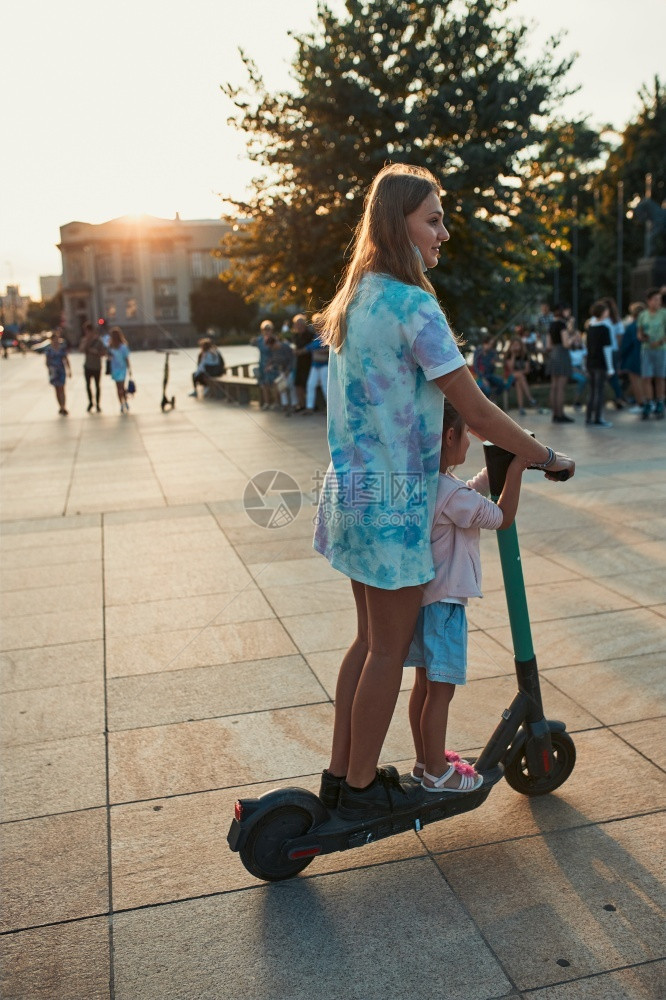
<point>162,655</point>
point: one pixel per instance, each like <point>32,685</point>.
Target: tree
<point>441,83</point>
<point>45,315</point>
<point>641,152</point>
<point>214,303</point>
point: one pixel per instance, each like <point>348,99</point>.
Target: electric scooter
<point>166,404</point>
<point>280,833</point>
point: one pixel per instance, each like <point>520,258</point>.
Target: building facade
<point>13,307</point>
<point>138,273</point>
<point>49,286</point>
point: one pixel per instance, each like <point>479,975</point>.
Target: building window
<point>130,309</point>
<point>197,265</point>
<point>105,267</point>
<point>163,265</point>
<point>110,311</point>
<point>166,312</point>
<point>219,265</point>
<point>75,267</point>
<point>127,267</point>
<point>165,299</point>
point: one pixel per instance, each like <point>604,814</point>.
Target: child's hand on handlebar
<point>518,464</point>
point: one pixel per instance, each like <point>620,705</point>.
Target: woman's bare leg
<point>392,617</point>
<point>350,671</point>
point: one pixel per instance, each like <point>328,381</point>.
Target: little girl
<point>439,647</point>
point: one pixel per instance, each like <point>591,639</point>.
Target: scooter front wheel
<point>564,757</point>
<point>262,853</point>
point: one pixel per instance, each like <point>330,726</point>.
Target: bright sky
<point>114,110</point>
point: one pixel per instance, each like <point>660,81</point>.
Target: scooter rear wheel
<point>564,757</point>
<point>262,852</point>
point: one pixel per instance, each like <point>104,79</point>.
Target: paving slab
<point>38,714</point>
<point>57,776</point>
<point>648,737</point>
<point>50,666</point>
<point>616,690</point>
<point>641,982</point>
<point>592,898</point>
<point>63,961</point>
<point>217,753</point>
<point>54,868</point>
<point>198,647</point>
<point>593,638</point>
<point>348,945</point>
<point>211,692</point>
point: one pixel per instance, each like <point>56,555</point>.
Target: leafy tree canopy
<point>444,84</point>
<point>214,303</point>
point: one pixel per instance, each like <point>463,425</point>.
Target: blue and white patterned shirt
<point>384,433</point>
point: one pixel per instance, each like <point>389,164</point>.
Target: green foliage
<point>44,315</point>
<point>214,303</point>
<point>441,83</point>
<point>641,151</point>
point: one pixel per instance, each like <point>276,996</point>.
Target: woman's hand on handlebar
<point>561,465</point>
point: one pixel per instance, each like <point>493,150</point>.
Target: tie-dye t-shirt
<point>384,433</point>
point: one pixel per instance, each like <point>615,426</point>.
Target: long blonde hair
<point>381,242</point>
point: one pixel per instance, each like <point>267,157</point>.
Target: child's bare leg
<point>416,702</point>
<point>434,719</point>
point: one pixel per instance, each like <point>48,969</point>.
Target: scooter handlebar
<point>498,460</point>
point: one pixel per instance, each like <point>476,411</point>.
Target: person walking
<point>119,356</point>
<point>303,335</point>
<point>598,338</point>
<point>93,350</point>
<point>392,358</point>
<point>629,356</point>
<point>318,375</point>
<point>652,335</point>
<point>57,363</point>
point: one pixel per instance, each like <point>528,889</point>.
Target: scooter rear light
<point>306,852</point>
<point>545,756</point>
<point>238,810</point>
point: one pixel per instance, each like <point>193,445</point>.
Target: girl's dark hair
<point>453,419</point>
<point>612,307</point>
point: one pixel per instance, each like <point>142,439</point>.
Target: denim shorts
<point>440,643</point>
<point>653,362</point>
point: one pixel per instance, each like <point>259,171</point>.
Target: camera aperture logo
<point>272,499</point>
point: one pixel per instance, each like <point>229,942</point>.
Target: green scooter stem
<point>497,463</point>
<point>527,706</point>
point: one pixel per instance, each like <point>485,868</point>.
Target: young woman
<point>516,370</point>
<point>57,363</point>
<point>559,339</point>
<point>119,353</point>
<point>392,356</point>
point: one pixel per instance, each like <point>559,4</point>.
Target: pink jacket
<point>460,513</point>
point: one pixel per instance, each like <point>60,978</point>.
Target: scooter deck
<point>338,834</point>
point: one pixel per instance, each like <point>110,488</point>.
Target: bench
<point>236,385</point>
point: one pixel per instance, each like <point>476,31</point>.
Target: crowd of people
<point>624,360</point>
<point>292,365</point>
<point>97,348</point>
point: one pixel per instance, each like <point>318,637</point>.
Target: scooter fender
<point>521,737</point>
<point>253,810</point>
